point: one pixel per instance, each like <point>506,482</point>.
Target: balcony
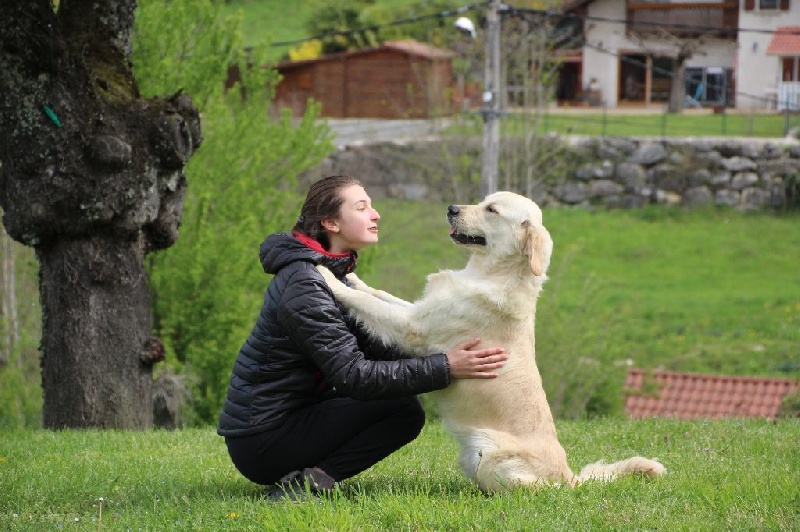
<point>685,19</point>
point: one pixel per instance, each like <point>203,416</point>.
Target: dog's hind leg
<point>499,462</point>
<point>605,472</point>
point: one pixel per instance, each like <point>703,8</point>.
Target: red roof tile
<point>786,41</point>
<point>690,395</point>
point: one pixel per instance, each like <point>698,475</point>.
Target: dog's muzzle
<point>460,238</point>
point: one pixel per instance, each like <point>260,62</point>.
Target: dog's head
<point>504,224</point>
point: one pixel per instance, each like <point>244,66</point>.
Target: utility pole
<point>492,98</point>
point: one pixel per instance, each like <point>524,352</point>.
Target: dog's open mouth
<point>460,238</point>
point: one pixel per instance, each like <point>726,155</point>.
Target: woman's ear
<point>330,225</point>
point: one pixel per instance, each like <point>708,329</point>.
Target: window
<point>789,69</point>
<point>710,85</point>
<point>766,5</point>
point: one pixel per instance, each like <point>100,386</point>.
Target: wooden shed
<point>399,79</point>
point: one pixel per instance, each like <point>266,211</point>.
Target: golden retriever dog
<point>504,425</point>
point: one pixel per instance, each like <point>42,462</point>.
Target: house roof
<point>691,395</point>
<point>785,41</point>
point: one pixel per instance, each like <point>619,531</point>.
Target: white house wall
<point>758,74</point>
<point>604,39</point>
<point>755,73</point>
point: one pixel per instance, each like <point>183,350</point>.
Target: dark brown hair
<point>322,202</point>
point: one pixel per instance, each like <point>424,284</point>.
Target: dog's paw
<point>357,283</point>
<point>328,276</point>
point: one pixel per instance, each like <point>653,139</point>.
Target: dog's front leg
<point>358,284</point>
<point>386,321</point>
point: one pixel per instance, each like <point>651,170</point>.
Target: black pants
<point>341,436</point>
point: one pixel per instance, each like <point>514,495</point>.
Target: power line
<point>557,14</point>
<point>507,9</point>
<point>398,22</point>
<point>517,11</point>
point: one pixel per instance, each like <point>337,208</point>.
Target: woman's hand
<point>466,363</point>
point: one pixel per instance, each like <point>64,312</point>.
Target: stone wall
<point>615,172</point>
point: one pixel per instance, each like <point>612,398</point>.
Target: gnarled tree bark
<point>91,176</point>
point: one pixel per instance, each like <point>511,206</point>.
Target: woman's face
<point>357,224</point>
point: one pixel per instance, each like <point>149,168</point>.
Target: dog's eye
<point>490,208</point>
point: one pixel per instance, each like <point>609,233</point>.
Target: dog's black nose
<point>453,210</point>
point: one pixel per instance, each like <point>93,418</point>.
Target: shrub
<point>242,186</point>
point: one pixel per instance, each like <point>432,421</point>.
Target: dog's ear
<point>534,241</point>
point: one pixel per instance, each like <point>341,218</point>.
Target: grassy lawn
<point>721,475</point>
<point>264,23</point>
<point>647,123</point>
<point>275,21</point>
<point>670,125</point>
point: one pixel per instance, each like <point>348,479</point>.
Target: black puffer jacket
<point>303,348</point>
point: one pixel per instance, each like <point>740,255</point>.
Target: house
<point>749,57</point>
<point>398,79</point>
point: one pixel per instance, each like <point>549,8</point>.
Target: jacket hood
<point>281,249</point>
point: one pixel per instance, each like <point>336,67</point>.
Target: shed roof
<point>785,41</point>
<point>691,395</point>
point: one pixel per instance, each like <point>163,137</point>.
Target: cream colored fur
<point>503,425</point>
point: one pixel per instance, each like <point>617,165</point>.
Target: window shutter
<point>749,5</point>
<point>785,5</point>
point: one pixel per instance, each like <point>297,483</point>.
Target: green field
<point>277,21</point>
<point>660,124</point>
<point>722,475</point>
<point>264,23</point>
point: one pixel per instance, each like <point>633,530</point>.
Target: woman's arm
<point>316,325</point>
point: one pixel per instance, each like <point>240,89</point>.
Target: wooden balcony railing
<point>684,19</point>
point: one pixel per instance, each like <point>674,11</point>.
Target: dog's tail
<point>607,472</point>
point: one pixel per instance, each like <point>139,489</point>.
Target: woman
<point>312,399</point>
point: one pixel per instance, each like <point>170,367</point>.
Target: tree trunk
<point>677,92</point>
<point>9,323</point>
<point>91,177</point>
<point>93,376</point>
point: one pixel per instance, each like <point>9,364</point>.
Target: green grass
<point>692,290</point>
<point>651,123</point>
<point>275,21</point>
<point>264,23</point>
<point>721,475</point>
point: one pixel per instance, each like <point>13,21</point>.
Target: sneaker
<point>299,486</point>
<point>318,480</point>
<point>290,487</point>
